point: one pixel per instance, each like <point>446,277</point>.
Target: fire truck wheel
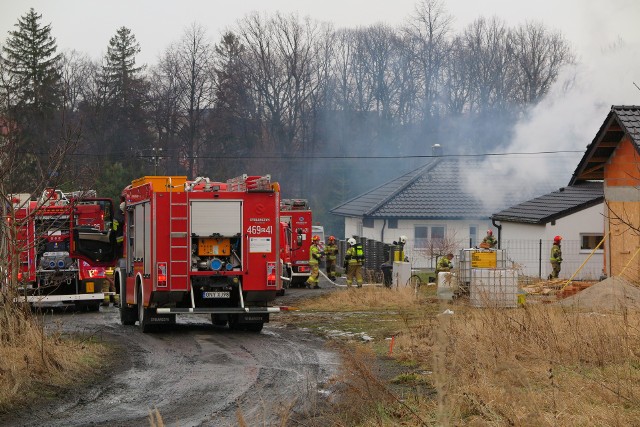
<point>254,327</point>
<point>143,315</point>
<point>233,322</point>
<point>128,315</point>
<point>218,319</point>
<point>286,284</point>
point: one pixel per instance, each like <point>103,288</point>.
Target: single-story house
<point>436,206</point>
<point>576,213</point>
<point>613,157</point>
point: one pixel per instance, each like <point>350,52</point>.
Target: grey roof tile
<point>438,190</point>
<point>591,166</point>
<point>554,205</point>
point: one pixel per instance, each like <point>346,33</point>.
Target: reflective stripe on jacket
<point>556,254</point>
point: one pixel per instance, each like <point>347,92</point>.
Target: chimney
<point>436,150</point>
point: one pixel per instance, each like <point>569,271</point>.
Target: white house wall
<point>522,243</point>
<point>457,231</point>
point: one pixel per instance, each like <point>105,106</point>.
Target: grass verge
<point>38,364</point>
<point>406,362</point>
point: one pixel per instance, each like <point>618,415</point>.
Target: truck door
<point>93,239</point>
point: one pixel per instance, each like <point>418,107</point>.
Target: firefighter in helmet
<point>489,241</point>
<point>353,259</point>
<point>555,258</point>
<point>444,263</point>
<point>314,258</point>
<point>331,253</point>
<point>117,226</point>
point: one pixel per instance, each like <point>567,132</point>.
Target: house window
<point>367,222</point>
<point>421,236</point>
<point>589,241</point>
<point>437,232</point>
<point>393,223</point>
<point>473,236</point>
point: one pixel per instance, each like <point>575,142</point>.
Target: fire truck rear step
<point>221,310</point>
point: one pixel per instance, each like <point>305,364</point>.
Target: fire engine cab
<point>200,247</point>
<point>62,243</point>
<point>298,215</point>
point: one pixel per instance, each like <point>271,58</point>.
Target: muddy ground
<point>194,373</point>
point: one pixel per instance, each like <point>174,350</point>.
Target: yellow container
<point>162,183</point>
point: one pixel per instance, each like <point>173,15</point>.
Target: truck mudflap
<point>224,310</point>
<point>61,298</point>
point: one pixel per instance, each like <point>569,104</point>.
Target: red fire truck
<point>200,247</point>
<point>297,214</point>
<point>55,241</point>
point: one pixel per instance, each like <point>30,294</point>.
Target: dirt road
<point>194,373</point>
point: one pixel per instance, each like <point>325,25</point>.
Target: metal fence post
<point>540,260</point>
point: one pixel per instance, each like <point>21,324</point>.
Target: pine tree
<point>31,61</point>
<point>120,73</point>
<point>124,117</point>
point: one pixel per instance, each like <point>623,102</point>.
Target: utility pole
<point>156,159</point>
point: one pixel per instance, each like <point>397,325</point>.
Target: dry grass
<point>366,298</point>
<point>536,366</point>
<point>35,363</point>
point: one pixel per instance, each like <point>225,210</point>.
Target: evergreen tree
<point>119,70</point>
<point>32,99</point>
<point>124,126</point>
<point>31,61</point>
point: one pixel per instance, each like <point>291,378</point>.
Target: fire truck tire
<point>128,315</point>
<point>143,315</point>
<point>233,322</point>
<point>287,283</point>
<point>254,327</point>
<point>218,320</point>
<point>250,327</point>
<point>87,306</point>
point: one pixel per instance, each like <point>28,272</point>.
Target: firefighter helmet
<point>557,239</point>
<point>403,239</point>
<point>332,238</point>
<point>351,241</point>
<point>315,238</point>
<point>489,232</point>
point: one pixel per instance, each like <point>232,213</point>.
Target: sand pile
<point>613,293</point>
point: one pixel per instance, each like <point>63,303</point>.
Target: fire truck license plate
<point>216,295</point>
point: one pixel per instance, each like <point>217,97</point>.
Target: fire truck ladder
<point>178,229</point>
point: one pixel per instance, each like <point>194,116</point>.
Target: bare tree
<point>540,54</point>
<point>195,77</point>
<point>428,40</point>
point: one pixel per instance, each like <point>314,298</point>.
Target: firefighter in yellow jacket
<point>117,227</point>
<point>353,259</point>
<point>331,252</point>
<point>556,257</point>
<point>314,258</point>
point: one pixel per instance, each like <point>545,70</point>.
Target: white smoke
<point>566,120</point>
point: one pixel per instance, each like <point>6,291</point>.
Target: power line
<point>323,157</point>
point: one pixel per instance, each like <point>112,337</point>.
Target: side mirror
<point>299,237</point>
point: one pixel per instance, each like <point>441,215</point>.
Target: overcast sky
<point>87,25</point>
<point>605,35</point>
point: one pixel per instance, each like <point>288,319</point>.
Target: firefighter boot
<point>105,289</point>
